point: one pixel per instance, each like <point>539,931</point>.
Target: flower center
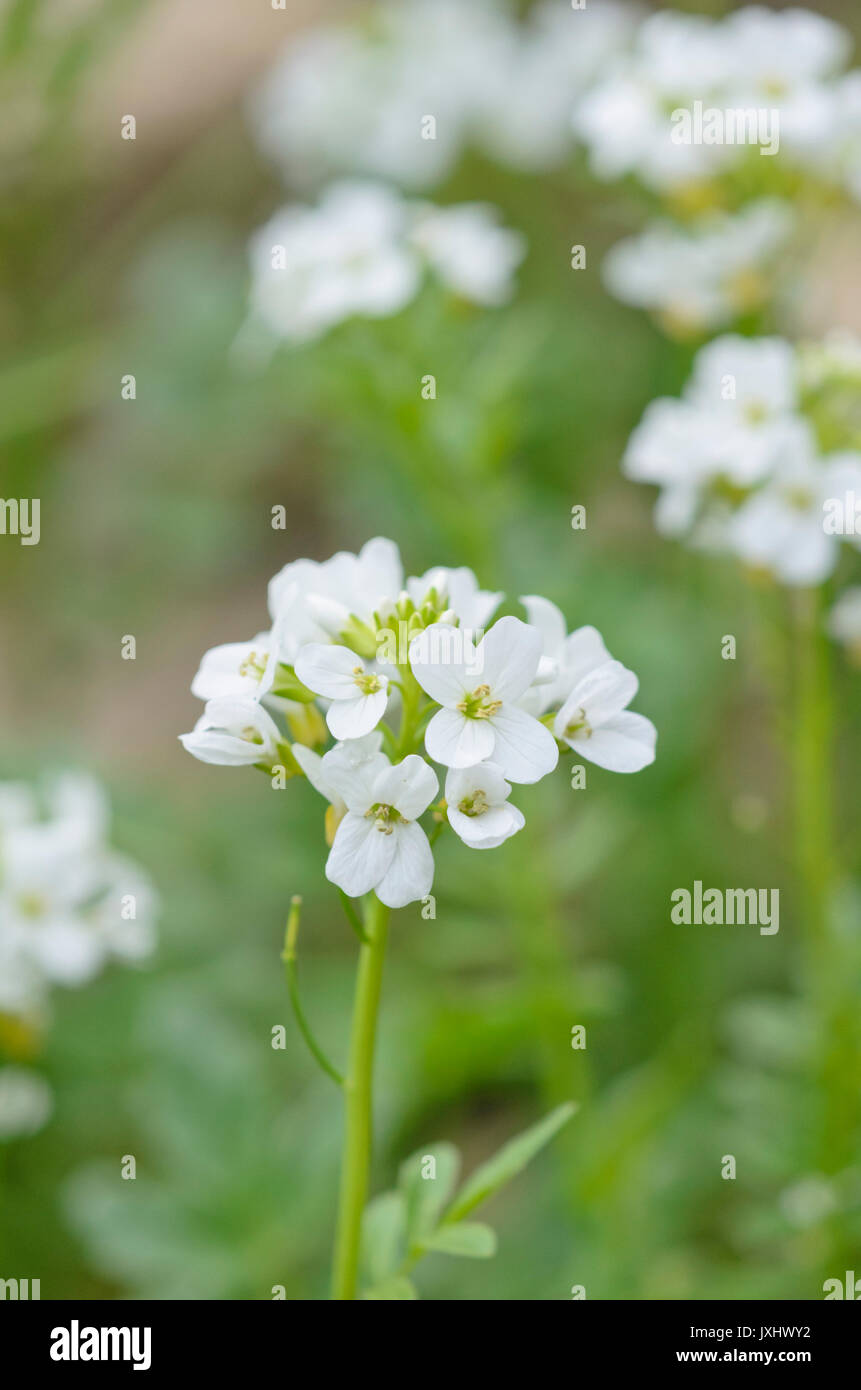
<point>474,805</point>
<point>367,682</point>
<point>385,818</point>
<point>251,735</point>
<point>31,905</point>
<point>254,665</point>
<point>578,725</point>
<point>478,704</point>
<point>755,412</point>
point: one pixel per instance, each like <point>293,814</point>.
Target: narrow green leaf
<point>427,1180</point>
<point>399,1289</point>
<point>471,1239</point>
<point>511,1159</point>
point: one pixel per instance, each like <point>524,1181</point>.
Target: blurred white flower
<point>780,528</point>
<point>782,64</point>
<point>704,276</point>
<point>357,98</point>
<point>353,98</point>
<point>739,460</point>
<point>477,806</point>
<point>785,60</point>
<point>468,250</point>
<point>625,120</point>
<point>364,251</point>
<point>844,620</point>
<point>314,267</point>
<point>26,1102</point>
<point>68,902</point>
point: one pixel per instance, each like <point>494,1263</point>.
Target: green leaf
<point>471,1239</point>
<point>427,1179</point>
<point>383,1236</point>
<point>398,1289</point>
<point>511,1159</point>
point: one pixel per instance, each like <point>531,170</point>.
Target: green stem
<point>289,958</point>
<point>356,1160</point>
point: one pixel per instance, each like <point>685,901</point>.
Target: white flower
<point>351,98</point>
<point>532,80</point>
<point>26,1102</point>
<point>784,61</point>
<point>469,251</point>
<point>359,695</point>
<point>315,600</point>
<point>378,845</point>
<point>703,277</point>
<point>314,267</point>
<point>363,251</point>
<point>573,654</point>
<point>233,732</point>
<point>478,688</point>
<point>782,526</point>
<point>67,902</point>
<point>735,422</point>
<point>477,806</point>
<point>238,669</point>
<point>844,621</point>
<point>625,119</point>
<point>596,723</point>
<point>457,589</point>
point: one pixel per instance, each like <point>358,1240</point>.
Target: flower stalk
<point>358,1091</point>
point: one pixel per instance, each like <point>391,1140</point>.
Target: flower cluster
<point>403,674</point>
<point>706,275</point>
<point>68,904</point>
<point>364,250</point>
<point>755,59</point>
<point>360,98</point>
<point>761,456</point>
<point>733,124</point>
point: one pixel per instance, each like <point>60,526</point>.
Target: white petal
<point>484,777</point>
<point>312,765</point>
<point>353,783</point>
<point>409,877</point>
<point>456,741</point>
<point>382,574</point>
<point>410,786</point>
<point>625,743</point>
<point>222,749</point>
<point>360,855</point>
<point>329,671</point>
<point>584,651</point>
<point>507,658</point>
<point>601,695</point>
<point>489,830</point>
<point>549,620</point>
<point>524,750</point>
<point>358,716</point>
<point>442,658</point>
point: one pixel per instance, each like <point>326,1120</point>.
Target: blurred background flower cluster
<point>411,258</point>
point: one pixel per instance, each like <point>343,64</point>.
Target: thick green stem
<point>356,1161</point>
